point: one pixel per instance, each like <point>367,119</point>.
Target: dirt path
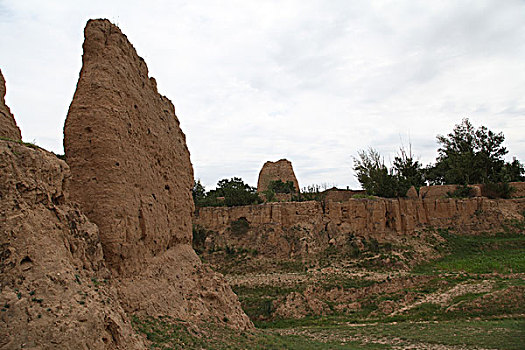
<point>328,335</point>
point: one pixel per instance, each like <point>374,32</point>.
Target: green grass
<point>308,321</point>
<point>167,333</point>
<point>502,253</point>
<point>495,334</point>
<point>341,281</point>
<point>257,301</point>
<point>490,318</point>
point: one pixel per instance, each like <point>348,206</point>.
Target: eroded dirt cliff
<point>307,230</point>
<point>52,291</point>
<point>8,127</point>
<point>132,175</point>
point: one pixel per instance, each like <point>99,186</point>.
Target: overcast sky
<point>310,81</point>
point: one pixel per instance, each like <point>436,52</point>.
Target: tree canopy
<point>378,180</point>
<point>465,156</point>
<point>229,192</point>
<point>278,186</point>
<point>469,156</point>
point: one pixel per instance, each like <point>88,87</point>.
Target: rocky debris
<point>52,289</point>
<point>298,305</point>
<point>132,176</point>
<point>273,171</point>
<point>8,128</point>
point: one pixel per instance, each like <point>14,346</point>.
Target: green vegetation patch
<point>501,253</point>
<point>240,226</point>
<point>257,302</point>
<point>493,334</point>
<point>168,333</point>
<point>344,282</point>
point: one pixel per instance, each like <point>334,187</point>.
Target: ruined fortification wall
<point>132,176</point>
<point>519,191</point>
<point>287,229</point>
<point>131,169</point>
<point>8,128</point>
<point>272,171</point>
<point>338,195</point>
<point>442,191</point>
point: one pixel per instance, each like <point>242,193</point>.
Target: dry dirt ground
<point>471,297</point>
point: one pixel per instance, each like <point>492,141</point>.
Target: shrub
<point>498,190</point>
<point>463,191</point>
<point>270,195</point>
<point>363,196</point>
<point>240,226</point>
<point>233,192</point>
<point>278,186</point>
<point>199,237</point>
<point>309,193</point>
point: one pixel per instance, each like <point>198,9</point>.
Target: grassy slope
<point>489,318</point>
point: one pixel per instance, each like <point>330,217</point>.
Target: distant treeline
<point>466,156</point>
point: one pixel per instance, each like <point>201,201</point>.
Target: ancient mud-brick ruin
<point>132,176</point>
<point>281,230</point>
<point>273,171</point>
<point>70,280</point>
<point>50,254</point>
<point>8,128</point>
<point>131,169</point>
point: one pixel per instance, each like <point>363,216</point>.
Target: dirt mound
<point>273,171</point>
<point>51,262</point>
<point>132,175</point>
<point>8,128</point>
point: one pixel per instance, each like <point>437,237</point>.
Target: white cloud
<point>311,81</point>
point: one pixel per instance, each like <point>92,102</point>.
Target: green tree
<point>468,156</point>
<point>409,172</point>
<point>236,192</point>
<point>378,180</point>
<point>514,171</point>
<point>278,186</point>
<point>374,176</point>
<point>198,192</point>
<point>232,192</point>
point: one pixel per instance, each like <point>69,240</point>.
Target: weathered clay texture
<point>442,191</point>
<point>51,262</point>
<point>132,175</point>
<point>338,195</point>
<point>519,189</point>
<point>272,171</point>
<point>284,230</point>
<point>8,128</point>
<point>131,169</point>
